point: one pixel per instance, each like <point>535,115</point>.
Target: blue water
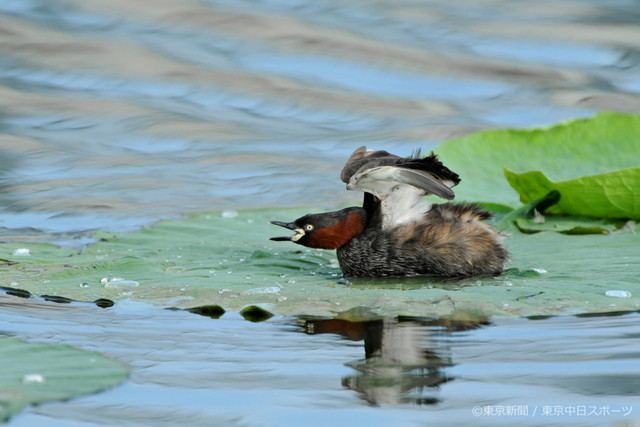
<point>123,113</point>
<point>229,371</point>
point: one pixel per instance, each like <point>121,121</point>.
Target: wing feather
<point>398,183</point>
<point>381,180</point>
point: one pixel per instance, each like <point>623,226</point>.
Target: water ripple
<point>122,112</point>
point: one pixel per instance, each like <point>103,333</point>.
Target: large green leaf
<point>223,260</point>
<point>38,372</point>
<point>608,195</point>
<point>592,162</point>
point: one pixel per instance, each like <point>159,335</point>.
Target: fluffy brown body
<point>450,241</point>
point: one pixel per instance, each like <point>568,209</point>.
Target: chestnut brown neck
<point>338,234</point>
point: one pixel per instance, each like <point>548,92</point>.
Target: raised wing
<point>399,183</point>
<point>380,180</point>
<point>366,159</point>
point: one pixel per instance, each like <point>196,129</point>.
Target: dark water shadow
<point>22,293</point>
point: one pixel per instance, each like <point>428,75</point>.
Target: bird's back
<point>450,240</point>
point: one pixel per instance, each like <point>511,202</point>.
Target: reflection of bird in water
<point>405,360</point>
<point>398,233</point>
<point>402,360</point>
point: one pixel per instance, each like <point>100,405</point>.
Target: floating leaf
<point>566,225</point>
<point>229,264</point>
<point>609,195</point>
<point>584,155</point>
<point>529,210</point>
<point>37,372</point>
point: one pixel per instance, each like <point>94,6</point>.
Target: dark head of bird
<point>329,230</point>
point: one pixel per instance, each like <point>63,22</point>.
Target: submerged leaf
<point>37,372</point>
<point>212,311</point>
<point>254,313</point>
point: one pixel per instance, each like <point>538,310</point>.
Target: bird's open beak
<point>299,232</point>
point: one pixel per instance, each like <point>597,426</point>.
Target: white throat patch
<point>299,234</point>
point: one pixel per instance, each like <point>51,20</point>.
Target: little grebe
<point>397,232</point>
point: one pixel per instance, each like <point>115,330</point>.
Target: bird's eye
<point>308,227</point>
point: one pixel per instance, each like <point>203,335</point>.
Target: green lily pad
<point>507,220</point>
<point>566,225</point>
<point>211,259</point>
<point>36,372</point>
<point>608,195</point>
<point>592,162</point>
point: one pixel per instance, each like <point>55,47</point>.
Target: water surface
<point>114,114</point>
<point>291,372</point>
